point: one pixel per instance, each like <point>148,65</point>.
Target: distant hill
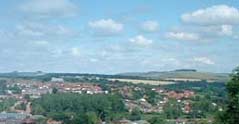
<point>181,75</point>
<point>176,75</point>
<point>22,74</point>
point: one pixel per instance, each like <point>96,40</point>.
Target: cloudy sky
<point>109,36</point>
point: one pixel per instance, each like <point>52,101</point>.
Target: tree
<point>27,97</point>
<point>231,114</point>
<point>6,104</point>
<point>38,110</point>
<point>135,114</point>
<point>54,90</point>
<point>157,120</point>
<point>3,87</point>
<point>151,97</point>
<point>15,89</point>
<point>56,106</point>
<point>88,118</point>
<point>92,118</point>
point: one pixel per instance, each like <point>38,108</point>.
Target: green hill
<point>182,74</point>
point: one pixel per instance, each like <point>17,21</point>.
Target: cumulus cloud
<point>49,8</point>
<point>226,30</point>
<point>218,14</point>
<point>208,24</point>
<point>141,41</point>
<point>106,27</point>
<point>182,36</point>
<point>150,26</point>
<point>203,60</point>
<point>202,33</point>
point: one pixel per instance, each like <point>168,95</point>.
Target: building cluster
<point>87,88</point>
<point>180,95</point>
<point>143,106</point>
<point>35,89</point>
<point>19,89</point>
<point>15,118</point>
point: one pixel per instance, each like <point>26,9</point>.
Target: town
<point>19,95</point>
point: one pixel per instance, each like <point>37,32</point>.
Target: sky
<point>109,36</point>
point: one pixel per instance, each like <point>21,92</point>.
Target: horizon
<point>110,37</point>
<point>49,72</point>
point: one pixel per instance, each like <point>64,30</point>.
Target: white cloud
<point>75,51</point>
<point>226,30</point>
<point>41,30</point>
<point>183,36</point>
<point>150,26</point>
<point>208,24</point>
<point>141,41</point>
<point>214,30</point>
<point>202,33</point>
<point>29,30</point>
<point>49,8</point>
<point>106,27</point>
<point>218,14</point>
<point>203,60</point>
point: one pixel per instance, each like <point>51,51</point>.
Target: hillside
<point>181,75</point>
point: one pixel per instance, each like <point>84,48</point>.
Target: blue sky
<point>110,36</point>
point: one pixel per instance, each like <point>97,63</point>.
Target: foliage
<point>88,118</point>
<point>136,114</point>
<point>15,89</point>
<point>6,104</point>
<point>157,120</point>
<point>172,110</point>
<point>21,106</point>
<point>57,105</point>
<point>231,114</point>
<point>3,86</point>
<point>151,97</point>
<point>27,97</point>
<point>54,90</point>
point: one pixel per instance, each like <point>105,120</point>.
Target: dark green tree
<point>87,118</point>
<point>136,114</point>
<point>231,114</point>
<point>151,97</point>
<point>54,90</point>
<point>3,87</point>
<point>68,106</point>
<point>27,97</point>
